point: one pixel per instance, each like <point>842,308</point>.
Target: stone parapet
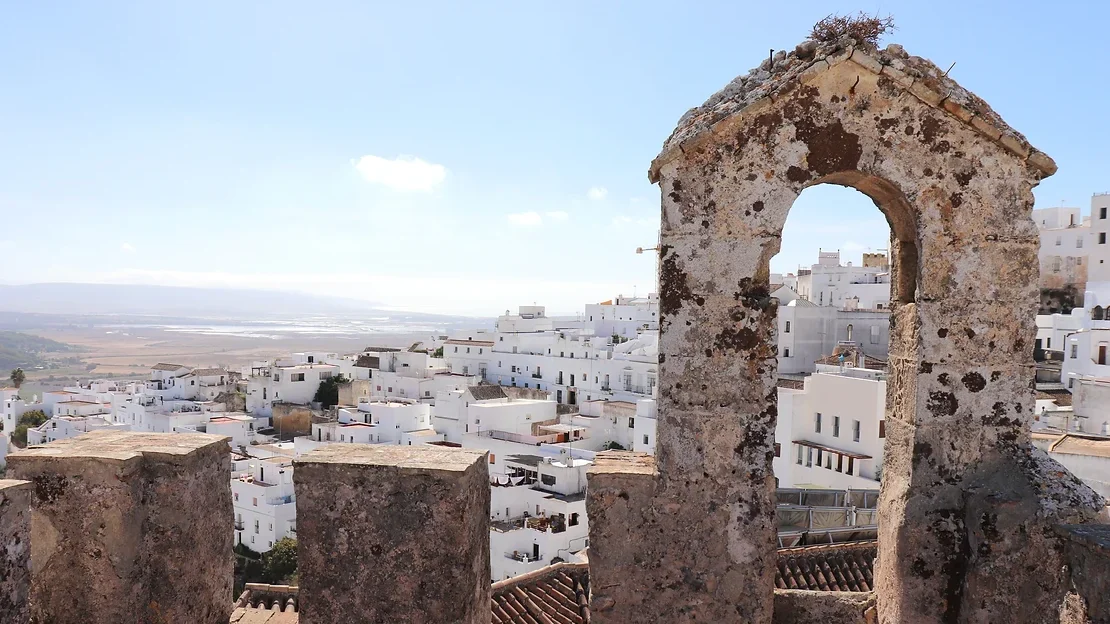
<point>395,534</point>
<point>15,559</point>
<point>130,527</point>
<point>795,606</point>
<point>1087,548</point>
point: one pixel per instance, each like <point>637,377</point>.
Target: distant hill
<point>26,351</point>
<point>133,299</point>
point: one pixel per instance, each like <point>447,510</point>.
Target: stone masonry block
<point>15,559</point>
<point>130,527</point>
<point>396,534</point>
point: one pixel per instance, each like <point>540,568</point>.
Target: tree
<point>328,392</point>
<point>30,419</point>
<point>17,377</point>
<point>438,352</point>
<point>279,565</point>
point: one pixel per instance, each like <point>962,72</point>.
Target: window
<point>1074,351</point>
<point>817,422</point>
<point>547,479</point>
<point>828,461</point>
<point>646,441</point>
<point>851,461</point>
<point>800,454</point>
<point>256,526</point>
<point>573,519</point>
<point>849,332</point>
<point>492,458</point>
<point>1056,265</point>
<point>836,426</point>
<point>296,377</point>
<point>855,431</point>
<point>456,349</point>
<point>819,453</point>
<point>1079,242</point>
<point>1102,235</point>
<point>786,352</point>
<point>787,327</point>
<point>237,497</point>
<point>1071,382</point>
<point>882,428</point>
<point>809,457</point>
<point>254,501</point>
<point>1102,213</point>
<point>325,375</point>
<point>875,330</point>
<point>778,448</point>
<point>1059,241</point>
<point>1079,260</point>
<point>839,462</point>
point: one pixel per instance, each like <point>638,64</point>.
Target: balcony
<point>238,525</point>
<point>537,375</point>
<point>522,557</point>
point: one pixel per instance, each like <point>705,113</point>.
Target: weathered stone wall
<point>15,558</point>
<point>794,606</point>
<point>292,419</point>
<point>1088,559</point>
<point>967,504</point>
<point>354,389</point>
<point>413,521</point>
<point>130,527</point>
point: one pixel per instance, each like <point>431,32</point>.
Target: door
<point>1102,354</point>
<point>535,552</point>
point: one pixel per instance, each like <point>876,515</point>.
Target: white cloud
<point>404,173</point>
<point>597,193</point>
<point>127,248</point>
<point>526,219</point>
<point>557,215</point>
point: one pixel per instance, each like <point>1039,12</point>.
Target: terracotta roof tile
<point>827,567</point>
<point>558,593</point>
<point>485,393</point>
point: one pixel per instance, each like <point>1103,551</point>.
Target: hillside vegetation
<point>27,351</point>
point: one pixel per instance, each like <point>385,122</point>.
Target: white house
<point>829,283</point>
<point>286,380</point>
<point>64,427</point>
<point>264,501</point>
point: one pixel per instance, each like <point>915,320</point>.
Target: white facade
<point>264,501</point>
<point>1065,238</point>
<point>537,512</point>
<point>64,427</point>
<point>287,380</point>
<point>829,283</point>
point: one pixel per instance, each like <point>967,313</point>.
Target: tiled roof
<point>485,393</point>
<point>209,372</point>
<point>368,361</point>
<point>557,593</point>
<point>162,366</point>
<point>827,567</point>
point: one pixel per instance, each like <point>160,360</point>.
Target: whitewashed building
<point>264,501</point>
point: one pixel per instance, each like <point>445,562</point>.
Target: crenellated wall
<point>396,534</point>
<point>15,551</point>
<point>130,527</point>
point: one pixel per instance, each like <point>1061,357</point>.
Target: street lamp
<point>641,250</point>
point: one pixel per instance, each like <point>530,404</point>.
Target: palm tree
<point>17,377</point>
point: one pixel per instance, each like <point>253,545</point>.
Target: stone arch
<point>955,184</point>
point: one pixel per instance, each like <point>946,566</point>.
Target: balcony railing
<point>238,525</point>
<point>522,557</point>
<point>536,375</point>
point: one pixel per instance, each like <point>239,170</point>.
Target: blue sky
<point>255,144</point>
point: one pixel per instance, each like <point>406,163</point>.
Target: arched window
<point>787,327</point>
<point>1097,313</point>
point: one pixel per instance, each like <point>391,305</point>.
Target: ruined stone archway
<point>965,500</point>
